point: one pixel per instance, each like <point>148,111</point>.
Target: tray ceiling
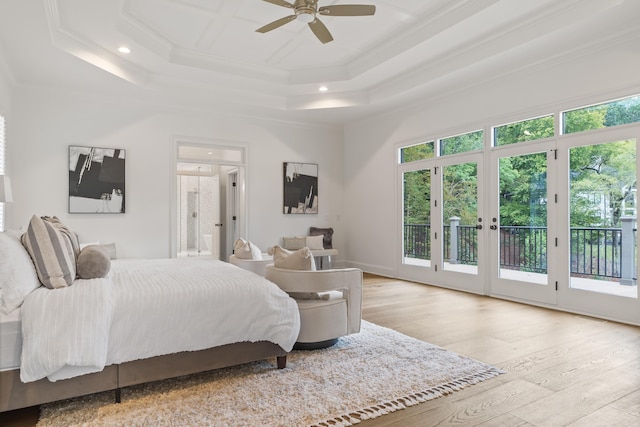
<point>206,53</point>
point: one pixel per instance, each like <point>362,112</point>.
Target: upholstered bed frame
<point>15,394</point>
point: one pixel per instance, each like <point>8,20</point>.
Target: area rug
<point>363,376</point>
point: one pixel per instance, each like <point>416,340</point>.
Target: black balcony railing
<point>595,252</point>
<point>524,248</point>
<point>417,243</point>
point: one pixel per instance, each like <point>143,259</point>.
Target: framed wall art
<point>300,188</point>
<point>96,180</point>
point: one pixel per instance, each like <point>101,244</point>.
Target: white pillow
<point>302,259</point>
<point>294,243</point>
<point>111,250</point>
<point>17,273</point>
<point>84,245</point>
<point>244,249</point>
<point>315,242</point>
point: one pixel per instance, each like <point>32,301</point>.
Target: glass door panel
<point>523,218</point>
<point>602,216</point>
<point>198,210</point>
<point>460,217</point>
<point>522,234</point>
<point>417,218</point>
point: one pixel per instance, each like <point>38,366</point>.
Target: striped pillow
<point>53,249</point>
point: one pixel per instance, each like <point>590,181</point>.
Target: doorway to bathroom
<point>199,210</point>
<point>209,199</point>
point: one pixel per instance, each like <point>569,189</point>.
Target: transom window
<point>472,141</point>
<point>613,113</point>
<point>526,130</point>
<point>417,152</point>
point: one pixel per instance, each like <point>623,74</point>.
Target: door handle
<point>479,227</point>
<point>493,227</point>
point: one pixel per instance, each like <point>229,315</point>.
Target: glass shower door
<point>196,211</point>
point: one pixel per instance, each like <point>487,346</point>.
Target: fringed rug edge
<point>407,401</point>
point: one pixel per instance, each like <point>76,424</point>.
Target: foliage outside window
<point>523,190</point>
<point>621,112</point>
<point>526,130</point>
<point>417,214</point>
<point>472,141</point>
<point>417,152</point>
<point>603,183</point>
<point>417,197</point>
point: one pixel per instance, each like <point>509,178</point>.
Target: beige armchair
<point>330,302</point>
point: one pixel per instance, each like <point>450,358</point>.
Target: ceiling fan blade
<point>280,3</point>
<point>347,10</point>
<point>320,30</point>
<point>276,24</point>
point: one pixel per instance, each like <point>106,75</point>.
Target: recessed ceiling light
<point>124,49</point>
<point>323,88</point>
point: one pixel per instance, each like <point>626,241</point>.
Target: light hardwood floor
<point>562,369</point>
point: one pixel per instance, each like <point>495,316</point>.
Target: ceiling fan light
<point>305,17</point>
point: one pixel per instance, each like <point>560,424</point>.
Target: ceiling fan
<point>307,11</point>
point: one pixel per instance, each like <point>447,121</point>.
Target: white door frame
<point>225,153</point>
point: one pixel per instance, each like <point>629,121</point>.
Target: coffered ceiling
<point>207,54</point>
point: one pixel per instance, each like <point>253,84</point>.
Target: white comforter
<point>146,308</point>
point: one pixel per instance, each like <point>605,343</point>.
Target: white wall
<point>45,122</point>
<point>371,214</point>
<point>5,111</point>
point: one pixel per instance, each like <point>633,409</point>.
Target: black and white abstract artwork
<point>300,188</point>
<point>96,180</point>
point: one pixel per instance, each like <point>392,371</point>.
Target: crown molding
<point>74,44</point>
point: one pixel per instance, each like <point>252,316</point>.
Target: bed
<point>146,320</point>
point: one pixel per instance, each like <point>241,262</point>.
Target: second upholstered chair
<point>330,302</point>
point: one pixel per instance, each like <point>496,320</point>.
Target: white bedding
<point>10,340</point>
<point>146,308</point>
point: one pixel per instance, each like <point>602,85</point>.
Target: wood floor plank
<point>461,409</point>
<point>582,367</point>
<point>581,399</point>
<point>506,420</point>
<point>603,416</point>
<point>629,404</point>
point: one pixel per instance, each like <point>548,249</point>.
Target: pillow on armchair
<point>244,249</point>
<point>326,233</point>
<point>315,242</point>
<point>302,259</point>
<point>294,243</point>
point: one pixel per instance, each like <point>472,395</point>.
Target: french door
<point>598,236</point>
<point>442,229</point>
<point>562,222</point>
<point>522,238</point>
